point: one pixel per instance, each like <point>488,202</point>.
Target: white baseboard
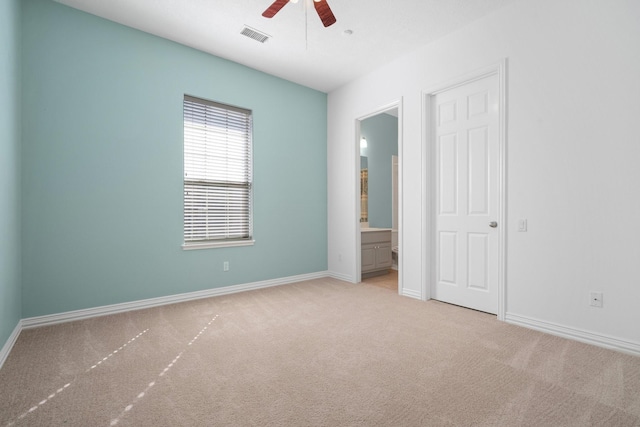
<point>6,349</point>
<point>411,294</point>
<point>599,340</point>
<point>340,276</point>
<point>52,319</point>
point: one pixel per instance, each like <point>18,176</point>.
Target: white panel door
<point>466,136</point>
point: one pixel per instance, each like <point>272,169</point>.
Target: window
<point>217,174</point>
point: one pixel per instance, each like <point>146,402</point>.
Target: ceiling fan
<point>322,7</point>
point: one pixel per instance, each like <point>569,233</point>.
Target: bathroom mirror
<point>364,190</point>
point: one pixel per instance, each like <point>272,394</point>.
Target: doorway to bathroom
<point>379,147</point>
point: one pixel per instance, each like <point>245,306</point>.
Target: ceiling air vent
<point>255,34</point>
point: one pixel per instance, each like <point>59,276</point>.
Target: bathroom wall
<point>381,132</point>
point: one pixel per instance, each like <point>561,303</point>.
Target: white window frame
<point>217,175</point>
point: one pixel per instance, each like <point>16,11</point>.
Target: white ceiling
<point>301,49</point>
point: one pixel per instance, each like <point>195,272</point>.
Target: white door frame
<point>428,179</point>
<point>392,105</point>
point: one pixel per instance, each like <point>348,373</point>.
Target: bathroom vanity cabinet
<point>375,252</point>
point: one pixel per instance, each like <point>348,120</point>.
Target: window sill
<point>214,244</point>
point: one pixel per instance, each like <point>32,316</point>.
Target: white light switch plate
<point>522,225</point>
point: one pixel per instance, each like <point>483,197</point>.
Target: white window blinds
<point>217,172</point>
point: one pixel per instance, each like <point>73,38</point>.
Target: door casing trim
<point>428,179</point>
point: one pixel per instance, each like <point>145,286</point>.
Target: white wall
<point>573,157</point>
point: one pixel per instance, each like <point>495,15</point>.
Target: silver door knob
<point>493,224</point>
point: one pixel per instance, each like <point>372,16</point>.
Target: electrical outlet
<point>595,299</point>
<point>225,266</point>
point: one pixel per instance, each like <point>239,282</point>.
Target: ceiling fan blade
<point>274,8</point>
<point>324,12</point>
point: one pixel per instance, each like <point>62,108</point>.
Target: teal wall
<point>10,292</point>
<point>381,132</point>
<point>102,166</point>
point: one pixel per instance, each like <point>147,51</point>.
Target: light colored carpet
<point>317,353</point>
